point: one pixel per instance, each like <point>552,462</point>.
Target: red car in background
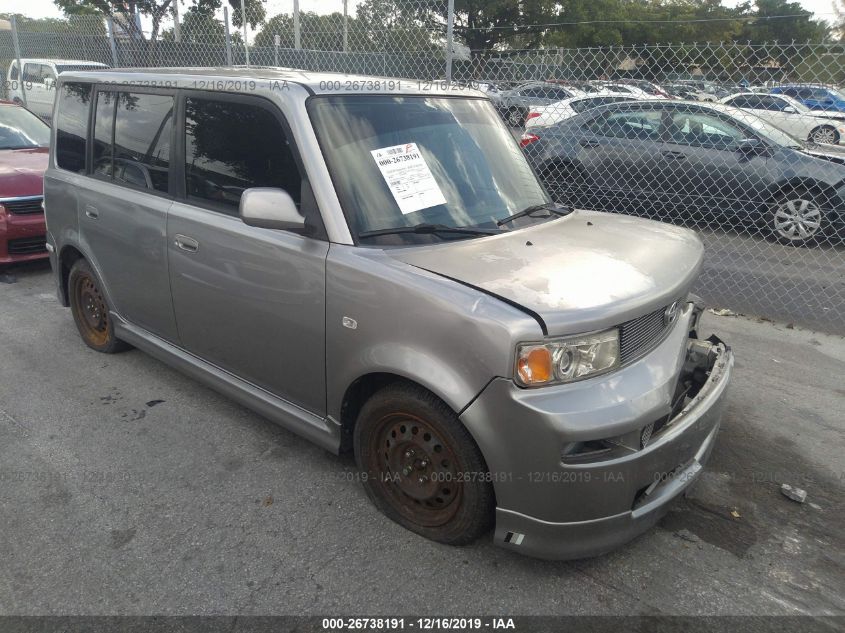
<point>24,147</point>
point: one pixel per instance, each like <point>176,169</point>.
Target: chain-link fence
<point>741,142</point>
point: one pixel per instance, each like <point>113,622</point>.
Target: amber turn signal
<point>535,365</point>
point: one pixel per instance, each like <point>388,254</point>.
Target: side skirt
<point>322,431</point>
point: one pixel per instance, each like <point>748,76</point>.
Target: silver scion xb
<point>373,264</point>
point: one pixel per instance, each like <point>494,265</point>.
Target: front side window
<point>13,75</point>
<point>72,126</point>
<point>231,146</point>
<point>142,140</point>
<point>404,161</point>
<point>47,73</point>
<point>702,130</point>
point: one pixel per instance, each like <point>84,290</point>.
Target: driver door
<point>704,166</point>
<point>248,300</point>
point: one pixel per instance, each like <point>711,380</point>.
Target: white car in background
<point>628,89</point>
<point>35,87</point>
<point>791,116</point>
<point>540,116</point>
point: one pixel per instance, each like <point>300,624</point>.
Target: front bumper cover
<point>548,508</point>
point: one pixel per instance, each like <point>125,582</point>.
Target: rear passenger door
<point>123,218</point>
<point>249,300</point>
<point>622,156</point>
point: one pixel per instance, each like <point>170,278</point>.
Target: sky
<point>823,9</point>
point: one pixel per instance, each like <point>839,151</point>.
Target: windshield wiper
<point>428,229</point>
<point>551,207</point>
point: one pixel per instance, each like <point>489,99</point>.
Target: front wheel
<point>797,218</point>
<point>515,117</point>
<point>421,467</point>
<point>91,310</point>
<point>824,134</point>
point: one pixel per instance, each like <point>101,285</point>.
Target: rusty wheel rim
<point>93,311</point>
<point>416,468</point>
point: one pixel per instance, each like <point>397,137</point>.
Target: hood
<point>22,172</point>
<point>583,272</point>
<point>834,153</point>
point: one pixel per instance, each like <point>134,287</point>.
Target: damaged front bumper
<point>582,468</point>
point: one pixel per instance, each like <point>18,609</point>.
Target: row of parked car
<point>516,102</point>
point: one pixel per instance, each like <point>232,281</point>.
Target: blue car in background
<point>815,97</point>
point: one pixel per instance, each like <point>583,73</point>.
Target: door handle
<point>674,155</point>
<point>91,211</point>
<point>186,243</point>
<point>587,142</point>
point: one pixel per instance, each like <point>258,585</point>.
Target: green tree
<point>317,32</point>
<point>74,24</point>
<point>157,10</point>
<point>767,28</point>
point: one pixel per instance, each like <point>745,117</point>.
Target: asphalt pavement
<point>128,488</point>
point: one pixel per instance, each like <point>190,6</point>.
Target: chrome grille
<point>639,335</point>
<point>23,206</point>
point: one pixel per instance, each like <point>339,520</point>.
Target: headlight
<point>567,359</point>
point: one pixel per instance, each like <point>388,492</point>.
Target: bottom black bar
<point>390,624</point>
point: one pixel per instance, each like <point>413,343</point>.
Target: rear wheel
<point>91,310</point>
<point>421,466</point>
<point>824,134</point>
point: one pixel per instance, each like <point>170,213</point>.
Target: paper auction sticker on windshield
<point>408,177</point>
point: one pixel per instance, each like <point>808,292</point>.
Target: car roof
<point>75,62</point>
<point>803,86</point>
<point>665,104</point>
<point>313,82</point>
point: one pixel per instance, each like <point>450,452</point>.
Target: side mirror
<point>270,208</point>
<point>789,110</point>
<point>751,147</point>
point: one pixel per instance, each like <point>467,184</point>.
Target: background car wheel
<point>91,311</point>
<point>423,469</point>
<point>797,218</point>
<point>515,117</point>
<point>824,134</point>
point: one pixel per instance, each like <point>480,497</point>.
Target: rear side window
<point>13,75</point>
<point>142,134</point>
<point>635,125</point>
<point>232,146</point>
<point>32,73</point>
<point>72,126</point>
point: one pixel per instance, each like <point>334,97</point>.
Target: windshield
<point>403,161</point>
<point>20,129</point>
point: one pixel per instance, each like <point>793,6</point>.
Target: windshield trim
<point>318,134</point>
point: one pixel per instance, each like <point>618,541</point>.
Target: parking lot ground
<point>128,488</point>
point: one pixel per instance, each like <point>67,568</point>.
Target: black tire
<point>824,134</point>
<point>405,434</point>
<point>799,203</point>
<point>515,117</point>
<point>91,310</point>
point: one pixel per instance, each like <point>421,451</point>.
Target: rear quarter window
<point>72,126</point>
